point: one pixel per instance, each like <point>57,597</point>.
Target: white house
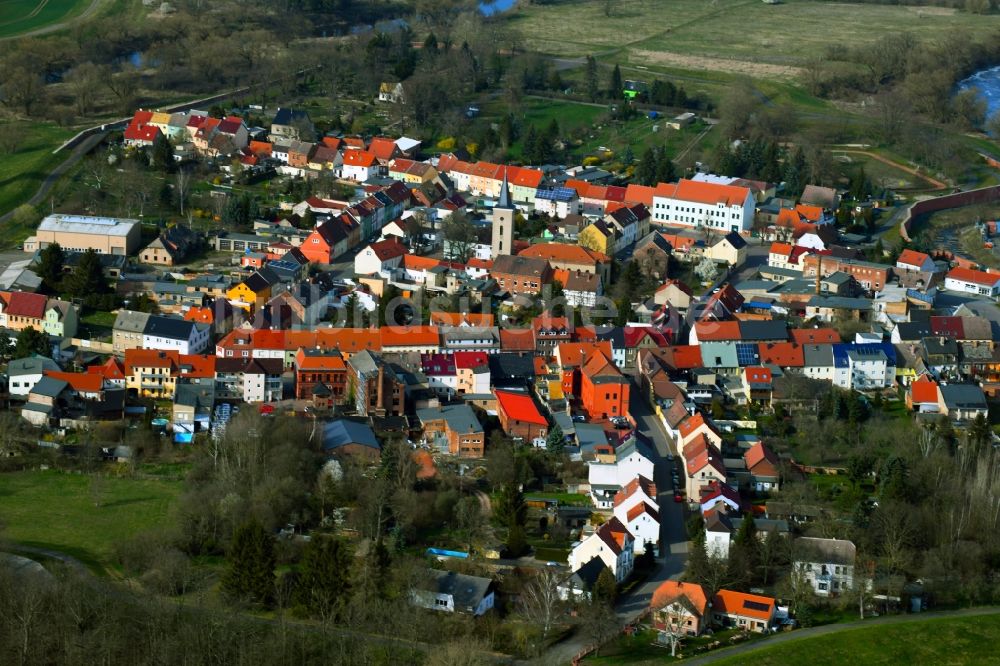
<point>911,260</point>
<point>818,362</point>
<point>390,92</point>
<point>613,543</point>
<point>452,592</point>
<point>718,535</point>
<point>279,151</point>
<point>969,281</point>
<point>359,165</point>
<point>381,258</point>
<point>24,373</point>
<point>643,522</point>
<point>731,250</point>
<point>557,201</point>
<point>695,204</point>
<point>607,478</point>
<point>867,367</point>
<point>828,564</point>
<point>167,333</point>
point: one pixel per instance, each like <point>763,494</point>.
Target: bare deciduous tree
<point>541,602</point>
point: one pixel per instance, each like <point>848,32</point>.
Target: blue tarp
<point>183,438</point>
<point>440,552</point>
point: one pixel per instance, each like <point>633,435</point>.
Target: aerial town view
<point>473,333</point>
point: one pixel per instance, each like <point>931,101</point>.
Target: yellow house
<point>598,237</point>
<point>410,171</point>
<point>253,292</point>
<point>151,373</point>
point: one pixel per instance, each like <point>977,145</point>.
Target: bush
<point>447,143</point>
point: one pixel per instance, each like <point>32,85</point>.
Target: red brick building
<point>521,275</point>
<point>313,368</point>
<point>519,416</point>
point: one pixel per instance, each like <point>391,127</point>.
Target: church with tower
<point>503,222</point>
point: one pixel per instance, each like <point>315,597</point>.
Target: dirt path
<point>938,185</point>
<point>82,149</point>
<point>55,27</point>
<point>803,634</point>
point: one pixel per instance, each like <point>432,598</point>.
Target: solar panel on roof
<point>747,354</point>
<point>755,605</point>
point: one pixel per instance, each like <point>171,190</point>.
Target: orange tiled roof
<point>359,158</point>
<point>520,406</point>
<point>976,277</point>
<point>110,369</point>
<point>640,194</point>
<point>564,252</point>
<point>814,336</point>
<point>912,257</point>
<point>150,358</point>
<point>670,590</point>
<point>705,193</point>
<point>717,330</point>
<point>196,366</point>
<point>439,318</point>
<point>739,603</point>
<point>312,360</point>
<point>784,249</point>
<point>409,336</point>
<point>782,354</point>
<point>349,340</point>
<point>924,389</point>
<point>83,382</point>
<point>517,339</point>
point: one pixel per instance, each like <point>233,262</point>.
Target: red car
<point>678,497</point>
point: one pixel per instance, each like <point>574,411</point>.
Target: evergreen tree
<point>628,156</point>
<point>556,440</point>
<point>979,435</point>
<point>324,581</point>
<point>796,170</point>
<point>31,341</point>
<point>250,575</point>
<point>431,43</point>
<point>6,348</point>
<point>162,156</point>
<point>517,541</point>
<point>510,509</point>
<point>744,553</point>
<point>87,278</point>
<point>771,172</point>
<point>51,262</point>
<point>615,86</point>
<point>605,588</point>
<point>665,172</point>
<point>645,171</point>
<point>590,78</point>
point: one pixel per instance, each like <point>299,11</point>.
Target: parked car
<point>678,497</point>
<point>579,418</point>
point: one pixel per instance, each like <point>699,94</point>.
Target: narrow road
<point>673,535</point>
<point>82,149</point>
<point>827,629</point>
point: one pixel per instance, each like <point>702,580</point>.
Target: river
<point>987,83</point>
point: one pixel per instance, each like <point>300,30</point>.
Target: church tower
<point>503,222</point>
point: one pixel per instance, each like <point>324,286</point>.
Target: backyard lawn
<point>56,510</point>
<point>22,171</point>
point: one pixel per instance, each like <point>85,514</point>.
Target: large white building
<point>711,205</point>
<point>613,543</point>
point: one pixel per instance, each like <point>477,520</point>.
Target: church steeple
<point>504,201</point>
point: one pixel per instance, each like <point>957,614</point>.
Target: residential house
<point>731,250</point>
<point>719,532</point>
<point>410,171</point>
<point>630,224</point>
<point>390,92</point>
<point>291,125</point>
<point>359,165</point>
<point>302,306</point>
<point>61,318</point>
<point>674,293</point>
<point>451,592</point>
<point>193,405</point>
<point>328,240</point>
<point>762,467</point>
<point>20,310</point>
<point>24,373</point>
<point>911,260</point>
<point>521,275</point>
<point>598,237</point>
<point>749,612</point>
<point>604,390</point>
<point>250,380</point>
<point>653,251</point>
<point>380,258</point>
<point>171,247</point>
<point>683,607</point>
<point>519,416</point>
<point>642,519</point>
<point>757,385</point>
<point>608,474</point>
<point>571,258</point>
<point>612,543</point>
<point>453,429</point>
<point>827,564</point>
<point>962,402</point>
<point>703,464</point>
<point>128,329</point>
<point>557,202</point>
<point>252,293</point>
<point>47,400</point>
<point>169,333</point>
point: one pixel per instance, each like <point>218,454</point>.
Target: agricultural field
<point>21,16</point>
<point>774,41</point>
<point>81,515</point>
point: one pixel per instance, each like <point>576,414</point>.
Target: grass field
<point>19,16</point>
<point>55,510</point>
<point>22,171</point>
<point>772,39</point>
<point>964,640</point>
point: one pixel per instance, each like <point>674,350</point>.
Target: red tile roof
<point>976,277</point>
<point>517,339</point>
<point>196,366</point>
<point>470,360</point>
<point>761,460</point>
<point>358,158</point>
<point>705,193</point>
<point>388,249</point>
<point>814,336</point>
<point>912,257</point>
<point>641,508</point>
<point>110,369</point>
<point>82,382</point>
<point>383,148</point>
<point>924,389</point>
<point>782,354</point>
<point>564,252</point>
<point>24,304</point>
<point>520,406</point>
<point>150,358</point>
<point>409,336</point>
<point>671,590</point>
<point>717,330</point>
<point>638,483</point>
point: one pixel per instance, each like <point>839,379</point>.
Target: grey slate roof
<point>467,591</point>
<point>343,432</point>
<point>50,387</point>
<point>33,365</point>
<point>460,417</point>
<point>827,551</point>
<point>131,321</point>
<point>168,327</point>
<point>966,396</point>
